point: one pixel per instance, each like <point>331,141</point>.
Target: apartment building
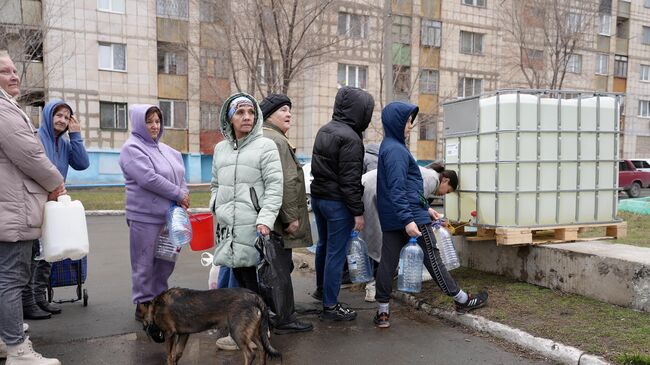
<point>103,55</point>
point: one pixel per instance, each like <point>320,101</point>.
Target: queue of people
<point>257,187</point>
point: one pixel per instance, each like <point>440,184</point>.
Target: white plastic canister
<point>64,231</point>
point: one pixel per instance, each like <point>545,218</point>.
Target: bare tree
<point>278,41</point>
<point>545,34</point>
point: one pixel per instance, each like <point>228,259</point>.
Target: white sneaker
<point>370,292</point>
<point>426,276</point>
<point>25,327</point>
<point>3,350</point>
<point>227,344</point>
<point>24,354</point>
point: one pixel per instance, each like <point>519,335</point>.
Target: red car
<point>632,179</point>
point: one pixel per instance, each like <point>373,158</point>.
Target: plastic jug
<point>445,246</point>
<point>165,248</point>
<point>409,275</point>
<point>358,260</point>
<point>64,230</point>
<point>179,226</point>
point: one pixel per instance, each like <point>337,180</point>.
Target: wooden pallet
<point>554,234</point>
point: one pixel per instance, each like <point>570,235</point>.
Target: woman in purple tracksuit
<point>154,176</point>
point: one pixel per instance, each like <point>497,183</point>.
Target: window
<point>474,2</point>
<point>174,113</point>
<point>172,59</point>
<point>264,74</point>
<point>402,82</point>
<point>622,166</point>
<point>353,75</point>
<point>574,64</point>
<point>353,25</point>
<point>116,6</point>
<point>208,11</point>
<point>620,66</point>
<point>646,4</point>
<point>602,61</point>
<point>640,164</point>
<point>112,115</point>
<point>431,33</point>
<point>604,24</point>
<point>646,35</point>
<point>429,82</point>
<point>644,108</point>
<point>471,43</point>
<point>468,86</point>
<point>427,126</point>
<point>209,116</point>
<point>532,58</point>
<point>112,56</point>
<point>214,63</point>
<point>574,22</point>
<point>645,72</point>
<point>172,8</point>
<point>401,29</point>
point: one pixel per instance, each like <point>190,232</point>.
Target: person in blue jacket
<point>404,212</point>
<point>63,152</point>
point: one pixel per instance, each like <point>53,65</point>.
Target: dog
<point>176,313</point>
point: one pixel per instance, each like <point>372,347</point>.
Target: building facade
<point>103,55</point>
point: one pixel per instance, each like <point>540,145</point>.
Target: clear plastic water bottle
<point>445,246</point>
<point>358,260</point>
<point>180,228</point>
<point>165,249</point>
<point>409,275</point>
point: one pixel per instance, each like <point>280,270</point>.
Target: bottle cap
<point>413,240</point>
<point>473,213</point>
<point>354,234</point>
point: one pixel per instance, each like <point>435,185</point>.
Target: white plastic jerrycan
<point>64,231</point>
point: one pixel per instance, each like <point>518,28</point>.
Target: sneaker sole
<point>382,325</point>
<point>466,310</point>
<point>286,332</point>
<point>337,319</point>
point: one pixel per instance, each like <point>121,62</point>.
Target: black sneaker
<point>381,320</point>
<point>338,313</point>
<point>318,294</point>
<point>475,301</point>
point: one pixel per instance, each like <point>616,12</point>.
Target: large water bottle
<point>165,249</point>
<point>64,231</point>
<point>358,260</point>
<point>445,246</point>
<point>179,225</point>
<point>409,276</point>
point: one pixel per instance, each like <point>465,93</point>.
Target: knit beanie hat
<point>274,102</point>
<point>236,103</point>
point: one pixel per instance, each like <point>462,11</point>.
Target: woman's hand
<point>293,227</point>
<point>185,202</point>
<point>359,223</point>
<point>434,215</point>
<point>60,190</point>
<point>74,125</point>
<point>412,230</point>
<point>263,230</point>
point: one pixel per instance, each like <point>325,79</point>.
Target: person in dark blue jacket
<point>63,152</point>
<point>404,213</point>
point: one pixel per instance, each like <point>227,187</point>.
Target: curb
<point>99,213</point>
<point>548,348</point>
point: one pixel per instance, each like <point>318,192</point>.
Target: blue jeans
<point>15,273</point>
<point>335,223</point>
<point>226,278</point>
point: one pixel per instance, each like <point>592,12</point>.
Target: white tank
<point>64,231</point>
<point>528,159</point>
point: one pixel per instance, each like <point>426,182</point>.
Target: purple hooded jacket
<point>153,172</point>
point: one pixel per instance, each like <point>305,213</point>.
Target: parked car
<point>642,165</point>
<point>632,179</point>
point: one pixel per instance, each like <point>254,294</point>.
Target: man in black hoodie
<point>337,193</point>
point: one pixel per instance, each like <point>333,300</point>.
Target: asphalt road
<point>106,333</point>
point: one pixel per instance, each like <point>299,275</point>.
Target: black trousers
<point>247,277</point>
<point>392,243</point>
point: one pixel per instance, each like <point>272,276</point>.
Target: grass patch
<point>113,198</point>
<point>596,327</point>
<point>636,359</point>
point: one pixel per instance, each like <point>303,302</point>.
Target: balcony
<point>623,9</point>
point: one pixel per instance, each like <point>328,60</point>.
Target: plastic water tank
<point>64,230</point>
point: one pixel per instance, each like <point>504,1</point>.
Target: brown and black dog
<point>176,313</point>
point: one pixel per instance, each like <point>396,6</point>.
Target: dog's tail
<point>264,330</point>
